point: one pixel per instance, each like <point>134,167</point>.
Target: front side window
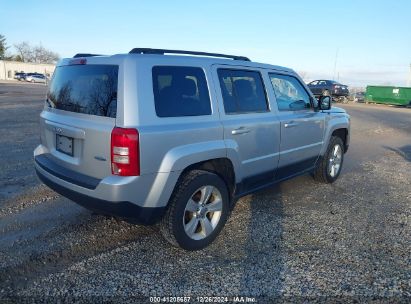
<point>290,94</point>
<point>242,91</point>
<point>180,91</point>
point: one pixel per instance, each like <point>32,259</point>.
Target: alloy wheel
<point>335,160</point>
<point>203,212</point>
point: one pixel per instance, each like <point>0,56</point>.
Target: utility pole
<point>335,63</point>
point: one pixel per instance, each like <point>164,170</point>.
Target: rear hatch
<point>79,116</point>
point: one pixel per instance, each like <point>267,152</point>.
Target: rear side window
<point>242,91</point>
<point>88,89</point>
<point>180,91</point>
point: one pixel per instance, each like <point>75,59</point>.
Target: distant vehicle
<point>359,97</point>
<point>20,76</point>
<point>36,78</point>
<point>331,88</point>
<point>31,74</point>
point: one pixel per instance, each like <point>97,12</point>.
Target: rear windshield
<point>87,89</point>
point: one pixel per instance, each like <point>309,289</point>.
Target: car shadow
<point>263,262</point>
<point>404,151</point>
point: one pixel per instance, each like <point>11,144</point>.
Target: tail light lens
<point>337,86</point>
<point>125,152</point>
<point>78,61</point>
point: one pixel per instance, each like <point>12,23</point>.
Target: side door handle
<point>240,130</point>
<point>290,124</point>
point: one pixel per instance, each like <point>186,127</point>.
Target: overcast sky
<point>372,38</point>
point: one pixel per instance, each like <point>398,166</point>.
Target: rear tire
<point>329,166</point>
<point>189,222</point>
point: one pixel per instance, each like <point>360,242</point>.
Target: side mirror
<point>324,103</point>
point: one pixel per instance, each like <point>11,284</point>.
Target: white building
<point>9,68</point>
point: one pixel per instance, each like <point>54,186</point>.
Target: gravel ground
<point>296,242</point>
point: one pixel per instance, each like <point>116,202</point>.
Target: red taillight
<point>125,152</point>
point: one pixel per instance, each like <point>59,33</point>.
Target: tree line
<point>25,52</point>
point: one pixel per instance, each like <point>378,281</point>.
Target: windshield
<point>87,89</point>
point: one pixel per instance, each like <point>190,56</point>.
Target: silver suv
<point>176,140</point>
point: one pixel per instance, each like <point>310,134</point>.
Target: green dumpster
<point>389,95</point>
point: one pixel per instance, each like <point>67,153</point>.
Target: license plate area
<point>64,144</point>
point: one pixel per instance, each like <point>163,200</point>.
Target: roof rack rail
<point>85,55</point>
<point>162,52</point>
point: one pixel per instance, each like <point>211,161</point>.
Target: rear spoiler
<point>85,55</point>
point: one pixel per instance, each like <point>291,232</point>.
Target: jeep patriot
<point>174,138</point>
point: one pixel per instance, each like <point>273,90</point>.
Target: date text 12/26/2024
<point>203,299</point>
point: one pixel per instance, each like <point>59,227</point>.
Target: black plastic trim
<point>44,161</point>
<point>266,179</point>
<point>292,169</point>
<point>243,189</point>
<point>123,209</point>
<point>163,51</point>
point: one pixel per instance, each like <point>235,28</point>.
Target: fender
<point>179,158</point>
<point>335,123</point>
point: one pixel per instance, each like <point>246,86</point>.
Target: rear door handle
<point>240,130</point>
<point>290,124</point>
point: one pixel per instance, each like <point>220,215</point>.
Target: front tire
<point>329,166</point>
<point>197,210</point>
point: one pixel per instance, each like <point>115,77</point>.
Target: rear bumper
<point>130,211</point>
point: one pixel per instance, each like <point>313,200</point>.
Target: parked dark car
<point>20,76</point>
<point>331,88</point>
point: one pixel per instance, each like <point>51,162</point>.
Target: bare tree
<point>36,54</point>
<point>3,47</point>
<point>42,55</point>
<point>24,51</point>
<point>18,58</point>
